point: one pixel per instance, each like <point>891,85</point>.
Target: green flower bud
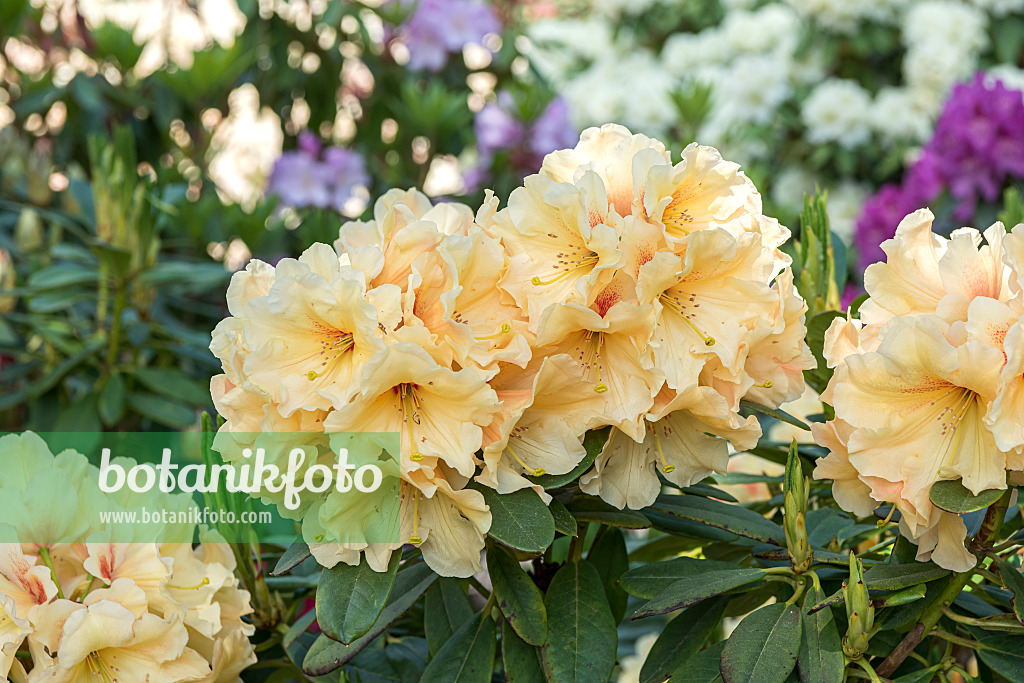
<point>28,233</point>
<point>795,513</point>
<point>7,279</point>
<point>860,613</point>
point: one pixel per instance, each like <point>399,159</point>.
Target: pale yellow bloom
<point>141,563</point>
<point>439,412</point>
<point>708,299</point>
<point>848,489</point>
<point>687,438</point>
<point>13,630</point>
<point>545,409</point>
<point>925,273</point>
<point>611,347</point>
<point>561,241</point>
<point>24,580</point>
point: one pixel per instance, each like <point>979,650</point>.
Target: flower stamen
<point>665,466</point>
<point>529,470</point>
<point>566,270</point>
<point>415,538</point>
<point>504,329</point>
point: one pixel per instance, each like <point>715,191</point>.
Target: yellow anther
<point>416,456</point>
<point>767,384</point>
<point>415,540</point>
<point>504,329</point>
<point>665,467</point>
<point>529,470</point>
<point>601,388</point>
<point>311,375</point>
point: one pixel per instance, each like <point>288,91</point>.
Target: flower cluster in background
<point>325,178</point>
<point>929,381</point>
<point>615,290</point>
<point>438,28</point>
<point>91,609</point>
<point>829,93</point>
<point>976,150</point>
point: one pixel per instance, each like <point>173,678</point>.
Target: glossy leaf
<point>681,640</point>
<point>591,509</point>
<point>648,580</point>
<point>689,591</point>
<point>725,516</point>
<point>520,659</point>
<point>445,609</point>
<point>565,523</point>
<point>581,641</point>
<point>293,556</point>
<point>467,657</point>
<point>349,599</point>
<point>821,658</point>
<point>952,496</point>
<point>1014,582</point>
<point>518,597</point>
<point>764,646</point>
<point>520,519</point>
<point>608,555</point>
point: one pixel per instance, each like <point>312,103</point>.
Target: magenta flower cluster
<point>313,175</point>
<point>977,146</point>
<point>438,28</point>
<point>499,128</point>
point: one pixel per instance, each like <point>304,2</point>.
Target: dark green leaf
<point>952,496</point>
<point>173,384</point>
<point>681,640</point>
<point>62,275</point>
<point>1014,582</point>
<point>763,648</point>
<point>591,509</point>
<point>161,410</point>
<point>445,609</point>
<point>518,597</point>
<point>349,599</point>
<point>900,597</point>
<point>565,523</point>
<point>520,659</point>
<point>780,415</point>
<point>725,516</point>
<point>581,642</point>
<point>593,442</point>
<point>467,657</point>
<point>293,556</point>
<point>1002,652</point>
<point>688,592</point>
<point>891,577</point>
<point>648,580</point>
<point>111,403</point>
<point>326,655</point>
<point>704,667</point>
<point>821,658</point>
<point>608,555</point>
<point>519,520</point>
<point>919,676</point>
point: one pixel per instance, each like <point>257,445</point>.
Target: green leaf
<point>688,592</point>
<point>704,667</point>
<point>593,509</point>
<point>764,646</point>
<point>349,599</point>
<point>445,609</point>
<point>952,496</point>
<point>725,516</point>
<point>1003,653</point>
<point>609,557</point>
<point>891,577</point>
<point>681,640</point>
<point>1014,582</point>
<point>520,659</point>
<point>593,442</point>
<point>780,415</point>
<point>648,580</point>
<point>327,655</point>
<point>173,384</point>
<point>816,328</point>
<point>520,519</point>
<point>518,597</point>
<point>293,556</point>
<point>920,676</point>
<point>467,657</point>
<point>111,402</point>
<point>907,595</point>
<point>161,410</point>
<point>565,523</point>
<point>821,658</point>
<point>62,275</point>
<point>581,642</point>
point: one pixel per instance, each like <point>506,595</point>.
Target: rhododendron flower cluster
<point>929,382</point>
<point>94,610</point>
<point>615,289</point>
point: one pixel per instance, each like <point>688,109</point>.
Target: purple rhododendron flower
<point>977,146</point>
<point>438,28</point>
<point>314,176</point>
<point>499,130</point>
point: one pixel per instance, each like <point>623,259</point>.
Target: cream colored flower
<point>611,347</point>
<point>561,241</point>
<point>848,489</point>
<point>545,409</point>
<point>917,409</point>
<point>454,293</point>
<point>709,298</point>
<point>311,335</point>
<point>24,580</point>
<point>439,412</point>
<point>141,563</point>
<point>928,274</point>
<point>13,630</point>
<point>687,438</point>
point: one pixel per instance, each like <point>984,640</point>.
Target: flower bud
<point>795,513</point>
<point>7,276</point>
<point>28,234</point>
<point>860,613</point>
